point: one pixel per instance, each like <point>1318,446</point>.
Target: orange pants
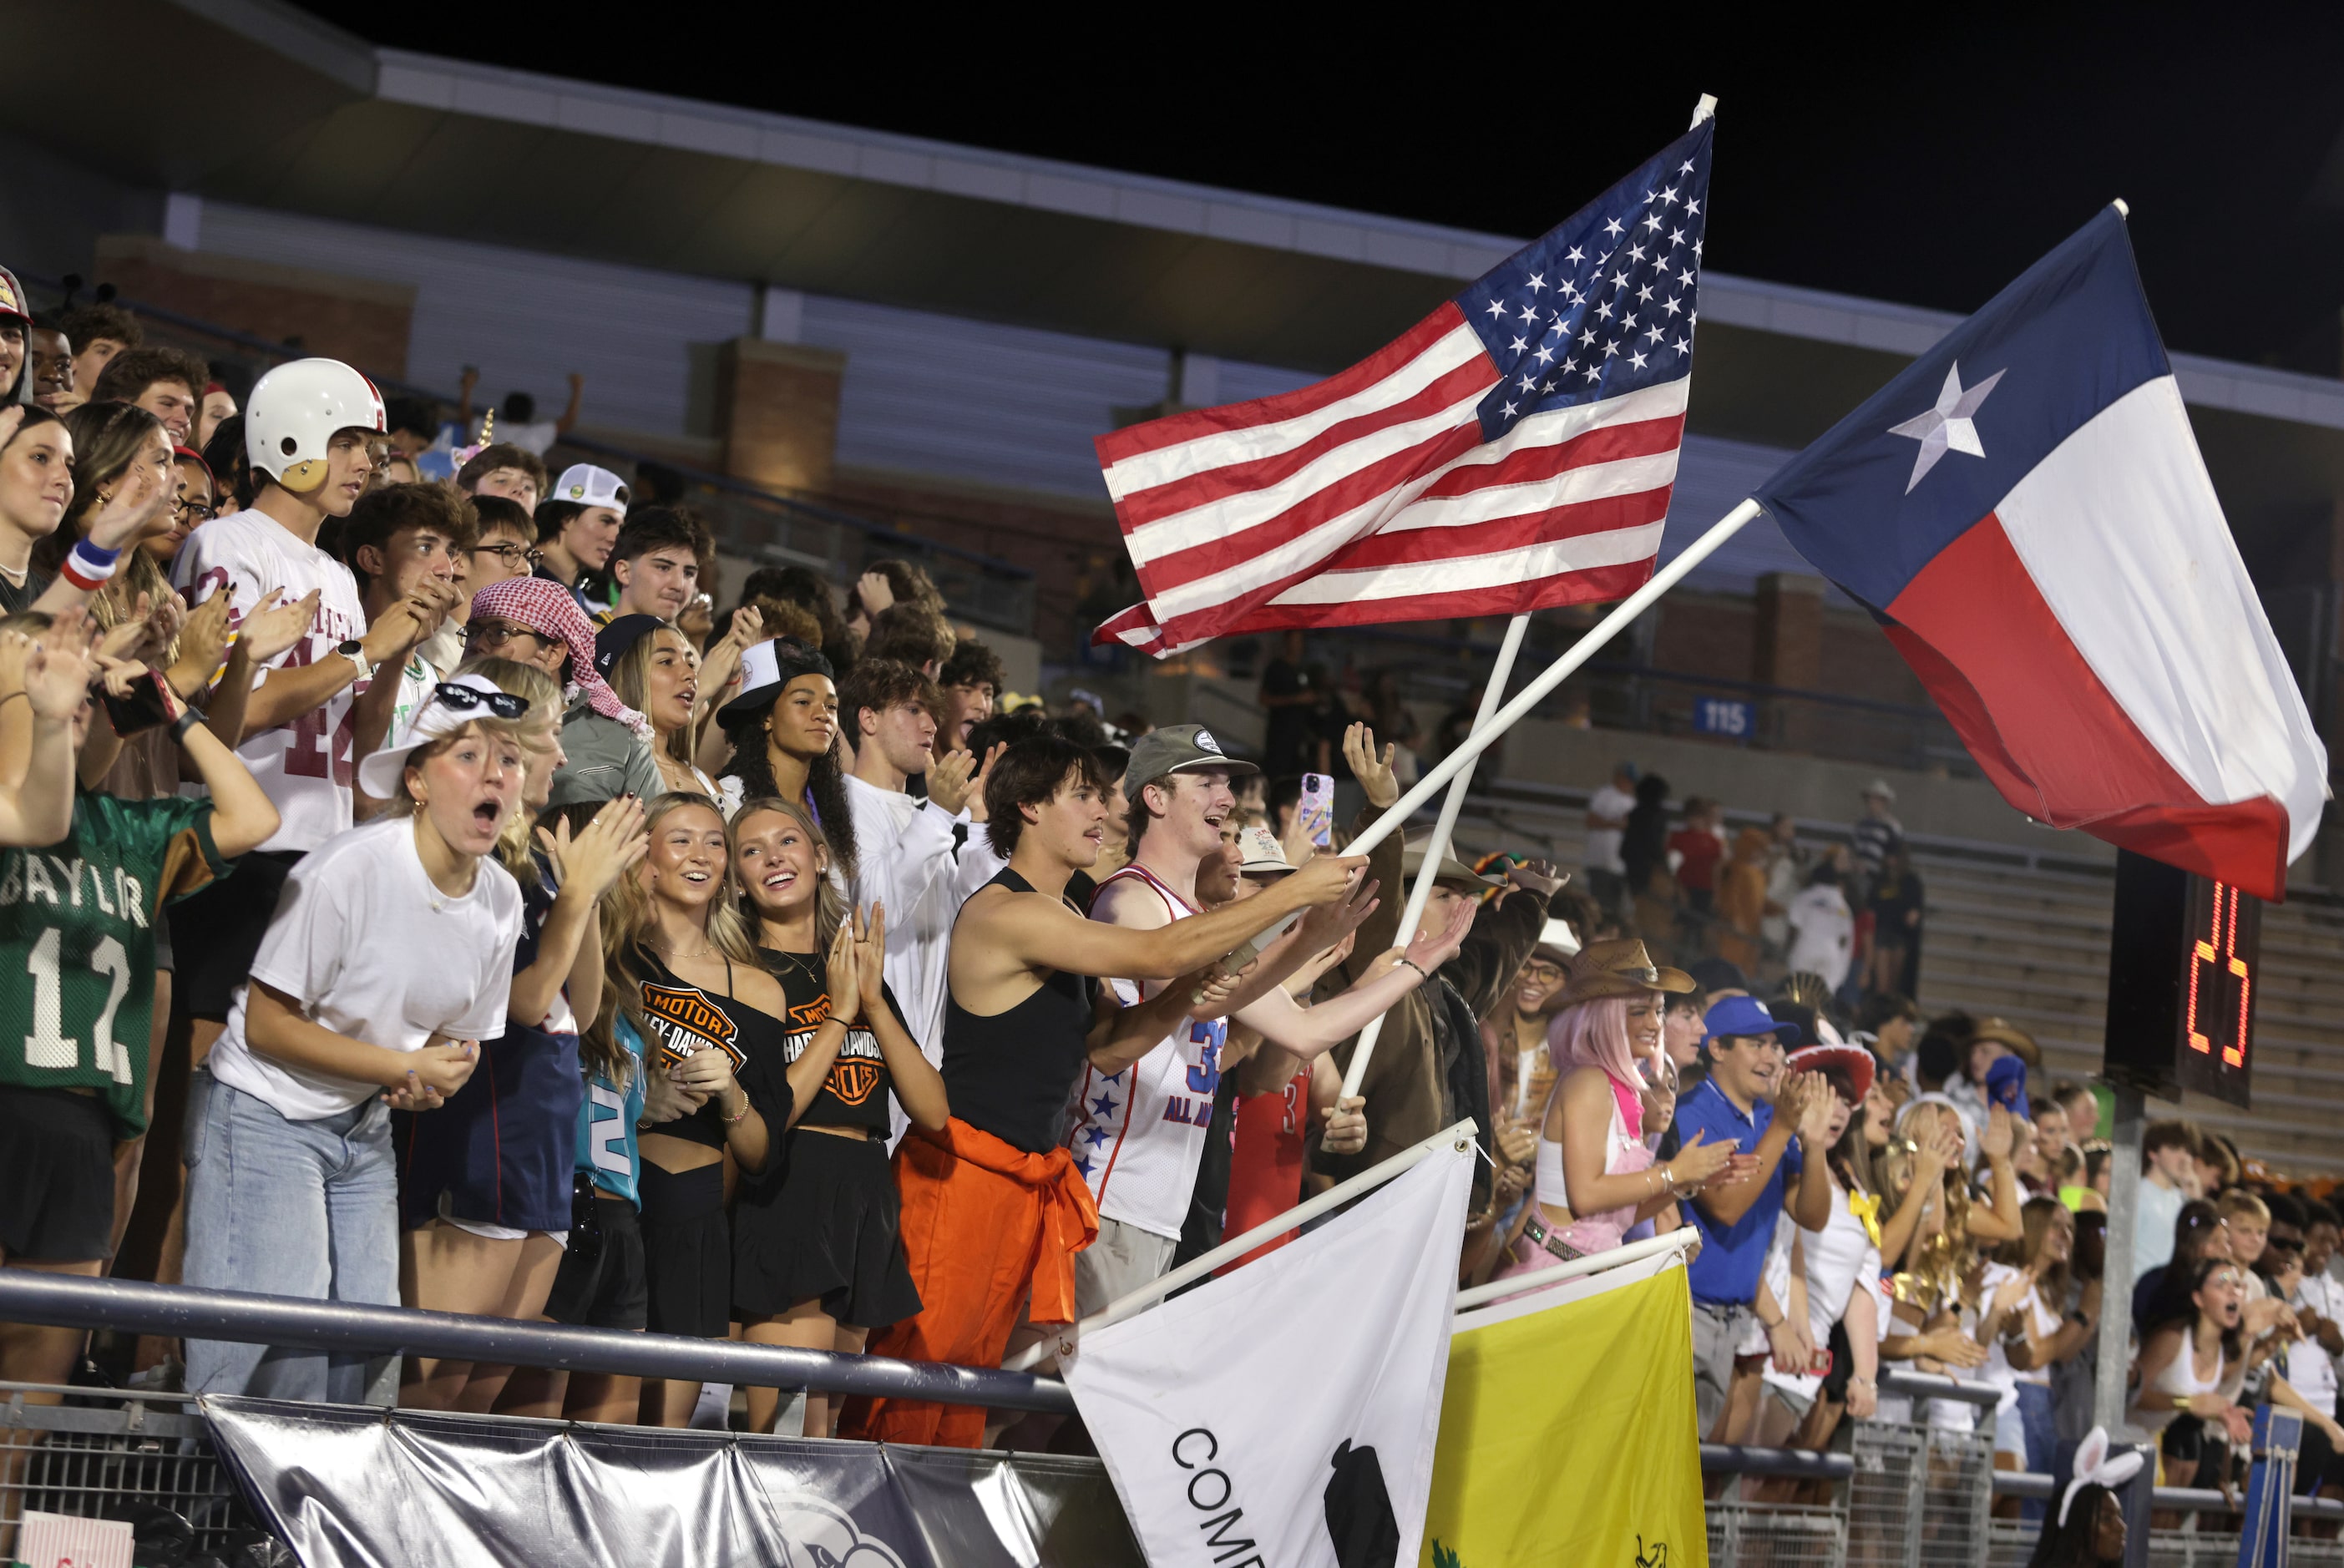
<point>984,1226</point>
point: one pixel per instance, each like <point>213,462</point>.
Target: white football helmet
<point>294,412</point>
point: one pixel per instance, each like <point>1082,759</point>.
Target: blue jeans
<point>305,1208</point>
<point>2036,1420</point>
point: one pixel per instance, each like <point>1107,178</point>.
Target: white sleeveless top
<point>1138,1135</point>
<point>2156,1410</point>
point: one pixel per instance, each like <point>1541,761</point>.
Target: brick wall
<point>361,320</point>
<point>777,413</point>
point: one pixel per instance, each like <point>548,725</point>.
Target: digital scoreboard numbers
<point>2183,965</point>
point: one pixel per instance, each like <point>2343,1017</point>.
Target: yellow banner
<point>1567,1432</point>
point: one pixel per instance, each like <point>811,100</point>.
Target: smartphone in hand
<point>1318,808</point>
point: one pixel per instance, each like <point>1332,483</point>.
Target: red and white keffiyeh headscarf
<point>545,606</point>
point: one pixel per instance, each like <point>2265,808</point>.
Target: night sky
<point>1920,155</point>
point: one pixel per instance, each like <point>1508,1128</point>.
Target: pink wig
<point>1595,1035</point>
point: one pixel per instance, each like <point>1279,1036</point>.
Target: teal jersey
<point>606,1121</point>
<point>78,945</point>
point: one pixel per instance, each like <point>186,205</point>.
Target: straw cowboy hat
<point>1618,968</point>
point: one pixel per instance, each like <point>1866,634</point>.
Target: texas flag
<point>2025,511</point>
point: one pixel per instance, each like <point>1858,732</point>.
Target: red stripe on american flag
<point>1381,477</point>
<point>1594,585</point>
<point>1410,546</point>
<point>1526,465</point>
<point>1174,429</point>
<point>1143,507</point>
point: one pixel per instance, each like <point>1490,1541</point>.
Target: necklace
<point>707,950</point>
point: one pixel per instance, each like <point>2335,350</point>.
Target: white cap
<point>1880,787</point>
<point>380,773</point>
<point>1264,855</point>
<point>296,410</point>
<point>584,484</point>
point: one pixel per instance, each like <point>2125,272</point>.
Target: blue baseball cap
<point>1738,1017</point>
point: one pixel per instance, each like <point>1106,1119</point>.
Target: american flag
<point>1512,451</point>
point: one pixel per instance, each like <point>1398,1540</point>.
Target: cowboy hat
<point>1618,968</point>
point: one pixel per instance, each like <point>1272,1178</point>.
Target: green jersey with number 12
<point>78,945</point>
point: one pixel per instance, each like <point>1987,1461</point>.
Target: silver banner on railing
<point>353,1487</point>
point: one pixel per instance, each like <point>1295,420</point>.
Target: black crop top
<point>1009,1074</point>
<point>684,1018</point>
<point>855,1092</point>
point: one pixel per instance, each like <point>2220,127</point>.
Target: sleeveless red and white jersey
<point>1139,1134</point>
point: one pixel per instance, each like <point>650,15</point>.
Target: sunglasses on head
<point>464,699</point>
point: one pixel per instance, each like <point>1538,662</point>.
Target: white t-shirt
<point>2310,1369</point>
<point>906,858</point>
<point>1823,933</point>
<point>375,952</point>
<point>1139,1136</point>
<point>305,766</point>
<point>1600,848</point>
<point>417,681</point>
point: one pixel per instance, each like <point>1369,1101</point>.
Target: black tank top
<point>855,1091</point>
<point>684,1018</point>
<point>1009,1074</point>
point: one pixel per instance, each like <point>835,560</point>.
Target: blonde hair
<point>627,920</point>
<point>1940,1268</point>
<point>829,904</point>
<point>542,693</point>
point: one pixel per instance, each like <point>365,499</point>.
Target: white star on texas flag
<point>1948,427</point>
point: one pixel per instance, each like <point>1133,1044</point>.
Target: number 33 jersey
<point>77,946</point>
<point>305,765</point>
<point>1139,1136</point>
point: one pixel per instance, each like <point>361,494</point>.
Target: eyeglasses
<point>2285,1243</point>
<point>512,554</point>
<point>496,633</point>
<point>193,510</point>
<point>464,699</point>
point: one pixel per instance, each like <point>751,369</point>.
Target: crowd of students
<point>502,929</point>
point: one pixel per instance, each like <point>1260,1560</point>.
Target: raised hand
<point>1430,952</point>
<point>1816,1121</point>
<point>976,812</point>
<point>60,665</point>
<point>122,517</point>
<point>2012,1291</point>
<point>869,960</point>
<point>1996,1141</point>
<point>275,624</point>
<point>875,592</point>
<point>204,642</point>
<point>1373,772</point>
<point>1538,877</point>
<point>129,634</point>
<point>1699,1162</point>
<point>1328,878</point>
<point>949,779</point>
<point>844,972</point>
<point>1328,924</point>
<point>604,850</point>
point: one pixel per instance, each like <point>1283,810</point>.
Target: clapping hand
<point>1538,877</point>
<point>275,624</point>
<point>871,955</point>
<point>1429,951</point>
<point>605,849</point>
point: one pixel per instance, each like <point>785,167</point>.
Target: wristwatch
<point>355,652</point>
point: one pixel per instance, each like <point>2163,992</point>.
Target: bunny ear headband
<point>2094,1467</point>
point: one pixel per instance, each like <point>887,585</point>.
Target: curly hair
<point>752,765</point>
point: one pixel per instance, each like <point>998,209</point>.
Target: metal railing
<point>67,1300</point>
<point>750,520</point>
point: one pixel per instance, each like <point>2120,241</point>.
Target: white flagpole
<point>1572,1268</point>
<point>1421,893</point>
<point>1456,763</point>
<point>1235,1247</point>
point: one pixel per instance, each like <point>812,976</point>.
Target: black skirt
<point>827,1227</point>
<point>686,1250</point>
